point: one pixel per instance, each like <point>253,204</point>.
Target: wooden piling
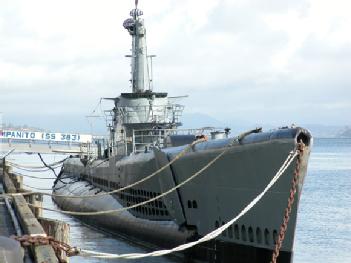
<point>37,201</point>
<point>57,229</point>
<point>7,182</point>
<point>17,180</point>
<point>31,226</point>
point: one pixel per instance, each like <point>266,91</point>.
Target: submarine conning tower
<point>138,114</point>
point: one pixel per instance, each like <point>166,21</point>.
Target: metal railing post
<point>133,138</point>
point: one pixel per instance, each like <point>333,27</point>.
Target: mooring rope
<point>35,177</point>
<point>37,188</point>
<point>46,165</point>
<point>212,235</point>
<point>207,237</point>
<point>31,170</point>
<point>52,169</point>
<point>57,163</point>
<point>144,202</point>
<point>110,192</point>
<point>238,139</point>
<point>141,203</point>
<point>130,185</point>
<point>76,251</point>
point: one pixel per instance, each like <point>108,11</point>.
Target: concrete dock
<point>32,231</point>
<point>6,225</point>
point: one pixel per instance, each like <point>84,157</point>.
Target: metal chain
<point>58,246</point>
<point>291,199</point>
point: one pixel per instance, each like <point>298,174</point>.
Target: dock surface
<point>6,225</point>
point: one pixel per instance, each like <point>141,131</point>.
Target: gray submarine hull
<point>202,205</point>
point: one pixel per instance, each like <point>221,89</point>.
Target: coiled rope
<point>209,236</point>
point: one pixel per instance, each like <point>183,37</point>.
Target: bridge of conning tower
<point>142,108</point>
<point>140,79</point>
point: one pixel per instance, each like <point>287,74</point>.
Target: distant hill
<point>199,120</point>
<point>346,133</point>
<point>69,123</point>
<point>323,131</point>
<point>80,124</point>
<point>24,127</point>
<point>326,131</point>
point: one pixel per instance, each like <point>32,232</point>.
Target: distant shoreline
<point>336,137</point>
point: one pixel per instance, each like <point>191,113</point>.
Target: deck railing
<point>170,113</point>
<point>145,139</point>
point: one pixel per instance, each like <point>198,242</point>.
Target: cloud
<point>265,61</point>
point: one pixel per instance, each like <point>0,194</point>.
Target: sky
<point>240,61</point>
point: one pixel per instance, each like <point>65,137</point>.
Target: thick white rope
<point>179,155</point>
<point>32,176</point>
<point>209,236</point>
<point>33,166</point>
<point>138,204</point>
<point>110,192</point>
<point>238,138</point>
<point>37,188</point>
<point>36,170</point>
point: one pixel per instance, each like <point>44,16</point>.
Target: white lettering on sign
<point>46,136</point>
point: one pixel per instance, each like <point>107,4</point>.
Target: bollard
<point>38,210</point>
<point>18,181</point>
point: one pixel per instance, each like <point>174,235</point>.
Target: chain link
<point>284,225</point>
<point>58,246</point>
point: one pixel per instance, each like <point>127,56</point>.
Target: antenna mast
<point>140,74</point>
